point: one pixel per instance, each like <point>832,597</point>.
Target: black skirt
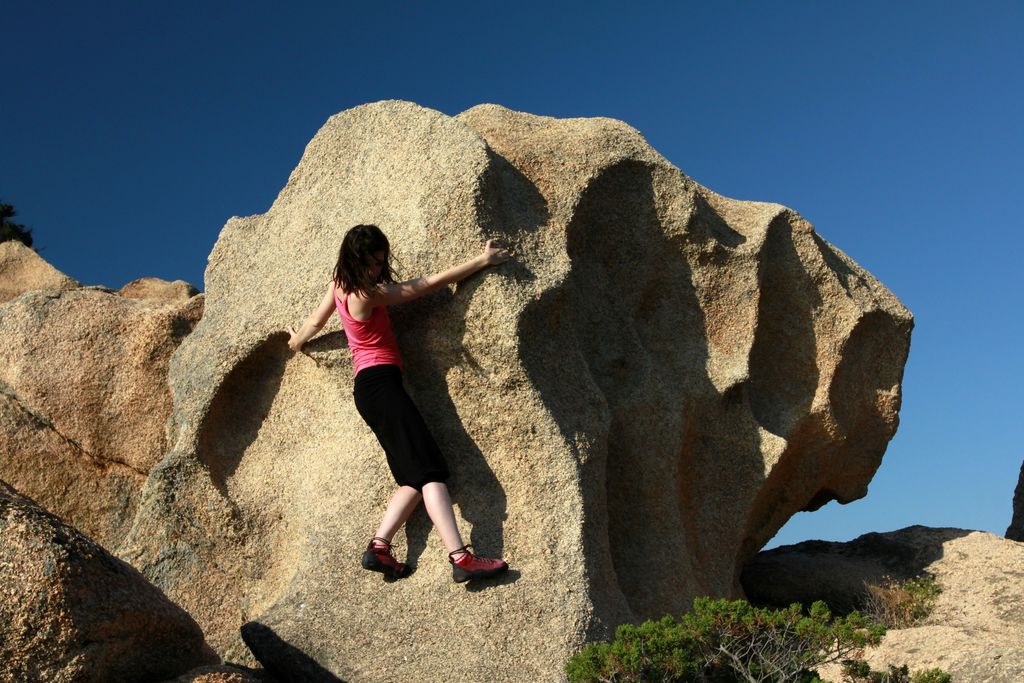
<point>412,453</point>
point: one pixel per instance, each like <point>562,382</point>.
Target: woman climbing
<point>362,288</point>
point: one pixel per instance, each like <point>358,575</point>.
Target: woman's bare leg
<point>439,507</point>
<point>402,503</point>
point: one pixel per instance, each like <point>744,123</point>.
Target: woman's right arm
<point>314,323</point>
<point>410,290</point>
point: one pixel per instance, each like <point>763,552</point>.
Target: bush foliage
<point>9,230</point>
<point>722,640</point>
<point>858,671</point>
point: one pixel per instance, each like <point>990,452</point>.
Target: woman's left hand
<point>495,253</point>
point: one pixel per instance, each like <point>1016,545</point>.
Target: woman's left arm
<point>314,323</point>
<point>401,292</point>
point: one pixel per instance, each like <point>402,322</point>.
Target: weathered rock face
<point>69,611</point>
<point>84,400</point>
<point>1015,531</point>
<point>631,408</point>
<point>976,631</point>
<point>23,270</point>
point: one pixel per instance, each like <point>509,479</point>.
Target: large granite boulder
<point>976,630</point>
<point>1015,531</point>
<point>631,408</point>
<point>23,270</point>
<point>70,611</point>
<point>84,400</point>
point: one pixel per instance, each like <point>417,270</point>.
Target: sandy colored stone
<point>630,409</point>
<point>84,400</point>
<point>70,611</point>
<point>975,632</point>
<point>98,495</point>
<point>1015,531</point>
<point>177,291</point>
<point>23,270</point>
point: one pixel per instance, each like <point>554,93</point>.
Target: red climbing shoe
<point>471,566</point>
<point>378,558</point>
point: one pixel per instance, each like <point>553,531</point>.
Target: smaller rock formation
<point>70,611</point>
<point>154,288</point>
<point>976,630</point>
<point>84,399</point>
<point>23,270</point>
<point>1015,532</point>
<point>834,572</point>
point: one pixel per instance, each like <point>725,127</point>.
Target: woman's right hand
<point>293,339</point>
<point>495,253</point>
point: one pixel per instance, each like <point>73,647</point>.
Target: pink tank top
<point>371,341</point>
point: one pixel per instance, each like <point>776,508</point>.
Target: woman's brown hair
<point>351,274</point>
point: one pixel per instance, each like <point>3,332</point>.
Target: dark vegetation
<point>860,672</point>
<point>9,230</point>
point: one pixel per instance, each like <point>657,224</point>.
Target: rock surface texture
<point>23,270</point>
<point>976,631</point>
<point>223,674</point>
<point>1015,531</point>
<point>84,400</point>
<point>630,408</point>
<point>70,611</point>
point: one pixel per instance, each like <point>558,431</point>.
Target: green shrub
<point>776,645</point>
<point>725,641</point>
<point>661,650</point>
<point>858,671</point>
<point>896,604</point>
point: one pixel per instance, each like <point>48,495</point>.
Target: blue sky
<point>132,131</point>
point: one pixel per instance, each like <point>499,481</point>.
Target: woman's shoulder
<point>373,298</point>
<point>361,306</point>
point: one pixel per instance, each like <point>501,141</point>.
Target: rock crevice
<point>46,423</point>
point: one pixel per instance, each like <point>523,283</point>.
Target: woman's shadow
<point>474,487</point>
<point>514,207</point>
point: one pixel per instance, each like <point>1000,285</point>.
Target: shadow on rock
<point>284,661</point>
<point>474,487</point>
<point>511,576</point>
<point>240,409</point>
